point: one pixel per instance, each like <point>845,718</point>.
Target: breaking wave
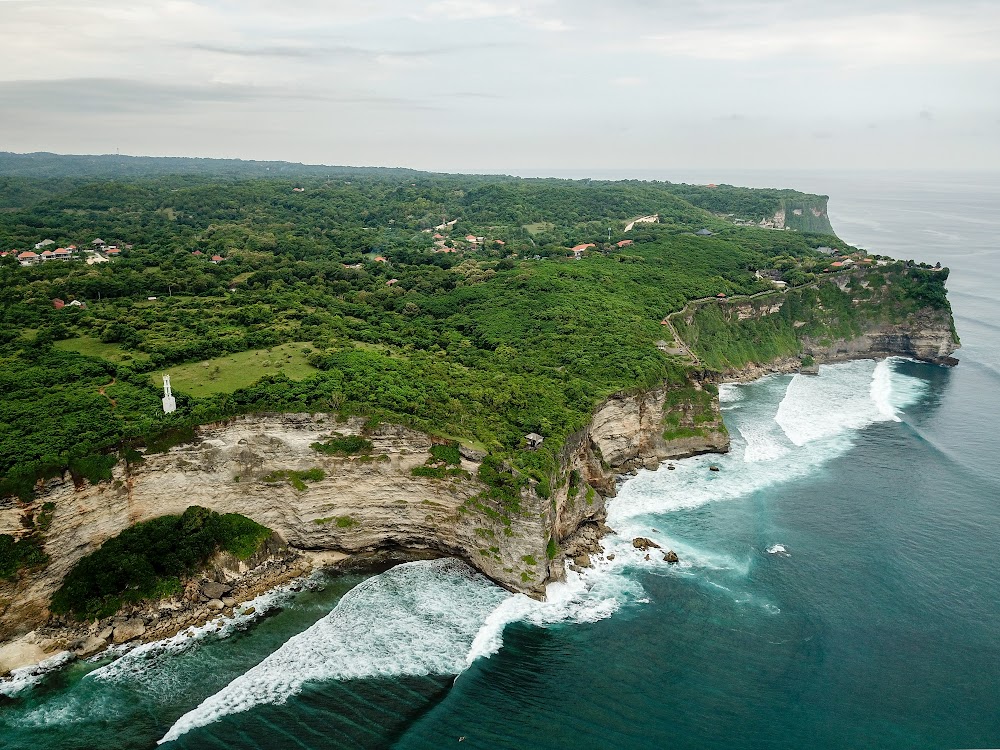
<point>438,617</point>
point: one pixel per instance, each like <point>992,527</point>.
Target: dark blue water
<point>838,585</point>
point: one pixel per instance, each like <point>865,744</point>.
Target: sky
<point>496,85</point>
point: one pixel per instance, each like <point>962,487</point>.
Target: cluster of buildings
<point>98,252</point>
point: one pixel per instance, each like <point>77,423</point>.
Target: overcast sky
<point>489,85</point>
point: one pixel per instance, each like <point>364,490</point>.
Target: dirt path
<point>681,345</point>
<point>101,390</point>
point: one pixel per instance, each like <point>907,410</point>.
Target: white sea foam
<point>145,663</point>
<point>778,549</point>
<point>881,390</point>
<point>417,618</point>
<point>24,678</point>
<point>789,429</point>
<point>439,617</point>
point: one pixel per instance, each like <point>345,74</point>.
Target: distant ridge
<point>105,166</point>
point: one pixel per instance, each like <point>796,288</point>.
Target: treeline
<point>484,345</point>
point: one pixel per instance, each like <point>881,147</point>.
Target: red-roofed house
<point>721,295</point>
<point>28,258</point>
<point>113,251</point>
<point>197,253</point>
<point>579,250</point>
<point>62,253</point>
<point>381,259</point>
<point>47,255</point>
<point>217,259</point>
<point>58,304</point>
<point>390,282</point>
<point>624,243</point>
<point>438,236</point>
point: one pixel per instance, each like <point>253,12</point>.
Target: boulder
<point>670,467</point>
<point>611,556</point>
<point>90,646</point>
<point>229,601</point>
<point>642,543</point>
<point>671,557</point>
<point>582,561</point>
<point>106,634</point>
<point>215,590</point>
<point>216,604</point>
<point>713,467</point>
<point>128,630</point>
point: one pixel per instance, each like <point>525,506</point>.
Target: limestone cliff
<point>374,501</point>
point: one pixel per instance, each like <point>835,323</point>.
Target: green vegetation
<point>234,371</point>
<point>483,345</point>
<point>339,445</point>
<point>821,312</point>
<point>91,347</point>
<point>341,522</point>
<point>295,478</point>
<point>148,560</point>
<point>447,454</point>
<point>551,549</point>
<point>16,555</point>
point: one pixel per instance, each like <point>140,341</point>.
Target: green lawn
<point>233,371</point>
<point>91,347</point>
<point>539,226</point>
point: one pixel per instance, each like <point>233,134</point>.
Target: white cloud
<point>857,41</point>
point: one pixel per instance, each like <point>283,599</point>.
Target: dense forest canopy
<point>451,303</point>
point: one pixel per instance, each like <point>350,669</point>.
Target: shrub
<point>344,446</point>
<point>18,554</point>
<point>148,560</point>
<point>447,453</point>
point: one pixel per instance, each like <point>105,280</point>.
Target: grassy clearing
<point>539,226</point>
<point>234,371</point>
<point>91,347</point>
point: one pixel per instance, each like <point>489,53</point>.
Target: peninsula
<point>374,359</point>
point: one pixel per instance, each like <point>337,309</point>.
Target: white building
<point>169,404</point>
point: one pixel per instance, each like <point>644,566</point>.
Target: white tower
<point>169,404</point>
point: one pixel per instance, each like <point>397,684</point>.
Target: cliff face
<point>362,503</point>
<point>365,503</point>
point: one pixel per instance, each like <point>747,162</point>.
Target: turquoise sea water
<point>838,586</point>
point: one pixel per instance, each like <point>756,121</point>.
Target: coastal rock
<point>214,590</point>
<point>643,544</point>
<point>91,646</point>
<point>713,467</point>
<point>229,601</point>
<point>671,557</point>
<point>366,503</point>
<point>128,630</point>
<point>216,604</point>
<point>582,561</point>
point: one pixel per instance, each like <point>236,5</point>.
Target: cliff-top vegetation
<point>453,304</point>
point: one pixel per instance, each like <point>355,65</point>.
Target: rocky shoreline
<point>365,505</point>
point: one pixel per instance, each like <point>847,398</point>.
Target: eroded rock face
<point>361,504</point>
<point>367,503</point>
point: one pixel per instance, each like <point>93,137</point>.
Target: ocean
<point>838,584</point>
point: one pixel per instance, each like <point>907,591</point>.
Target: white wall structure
<point>169,404</point>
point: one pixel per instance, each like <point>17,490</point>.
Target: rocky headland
<point>375,501</point>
